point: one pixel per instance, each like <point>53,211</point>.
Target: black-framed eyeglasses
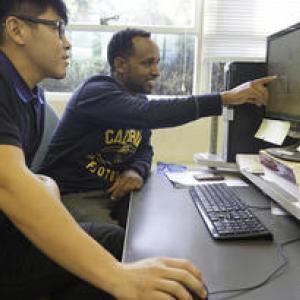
<point>60,25</point>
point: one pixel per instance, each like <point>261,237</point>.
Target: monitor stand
<point>214,161</point>
<point>288,153</point>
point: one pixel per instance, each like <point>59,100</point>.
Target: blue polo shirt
<point>21,111</point>
<point>21,115</point>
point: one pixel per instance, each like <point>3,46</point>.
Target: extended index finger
<point>265,80</point>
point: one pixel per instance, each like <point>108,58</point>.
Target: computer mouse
<point>195,296</point>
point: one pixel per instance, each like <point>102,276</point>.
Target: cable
<point>274,274</point>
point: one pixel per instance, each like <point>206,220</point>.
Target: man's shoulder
<point>100,82</point>
<point>95,87</point>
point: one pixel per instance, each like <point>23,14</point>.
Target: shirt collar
<point>23,91</point>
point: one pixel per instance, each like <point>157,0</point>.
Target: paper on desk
<point>186,178</point>
<point>249,163</point>
<point>273,131</point>
<point>276,210</point>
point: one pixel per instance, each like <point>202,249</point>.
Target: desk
<point>163,221</point>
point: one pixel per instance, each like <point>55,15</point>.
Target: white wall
<point>180,143</point>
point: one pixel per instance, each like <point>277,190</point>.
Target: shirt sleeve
<point>105,103</point>
<point>9,130</point>
<point>143,156</point>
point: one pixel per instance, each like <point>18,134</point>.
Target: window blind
<point>238,28</point>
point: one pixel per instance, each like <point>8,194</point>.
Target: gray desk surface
<point>163,221</point>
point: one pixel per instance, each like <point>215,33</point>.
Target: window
<point>232,30</point>
<point>236,30</point>
<point>89,58</point>
<point>173,25</point>
<point>133,12</point>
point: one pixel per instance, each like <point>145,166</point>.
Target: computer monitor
<point>283,60</point>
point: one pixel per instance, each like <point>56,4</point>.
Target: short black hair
<point>32,8</point>
<point>121,44</point>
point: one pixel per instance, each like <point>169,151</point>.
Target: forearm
<point>137,112</point>
<point>143,157</point>
<point>142,167</point>
<point>50,227</point>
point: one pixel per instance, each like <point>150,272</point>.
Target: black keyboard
<point>225,215</point>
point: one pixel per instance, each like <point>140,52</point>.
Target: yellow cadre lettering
<point>100,171</point>
<point>126,138</point>
<point>108,136</point>
<point>129,136</point>
<point>136,137</point>
<point>92,167</point>
<point>118,137</point>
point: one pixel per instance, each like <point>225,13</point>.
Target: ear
<point>15,30</point>
<point>120,64</point>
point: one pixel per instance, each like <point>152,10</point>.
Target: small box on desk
<point>284,173</point>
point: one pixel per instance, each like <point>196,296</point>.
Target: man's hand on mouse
<point>159,279</point>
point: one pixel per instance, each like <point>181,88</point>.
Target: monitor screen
<point>283,60</point>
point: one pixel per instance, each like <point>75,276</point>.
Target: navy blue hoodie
<point>105,130</point>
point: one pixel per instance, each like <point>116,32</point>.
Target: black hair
<point>121,44</point>
<point>32,8</point>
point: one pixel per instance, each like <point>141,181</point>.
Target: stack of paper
<point>249,163</point>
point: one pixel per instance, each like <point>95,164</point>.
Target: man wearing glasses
<point>43,251</point>
<point>59,25</point>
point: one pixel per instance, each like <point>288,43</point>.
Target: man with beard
<point>101,150</point>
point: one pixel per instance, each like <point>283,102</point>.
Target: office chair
<point>51,120</point>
